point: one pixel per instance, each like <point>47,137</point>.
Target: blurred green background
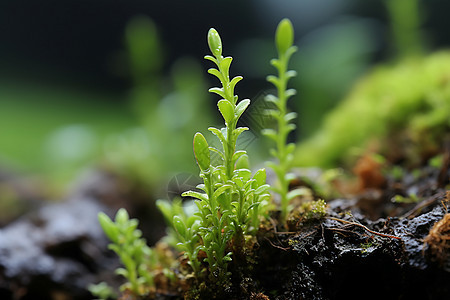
<point>123,84</point>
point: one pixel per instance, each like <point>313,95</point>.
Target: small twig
<point>422,205</point>
<point>272,221</point>
<point>276,246</point>
<point>365,228</point>
<point>275,230</point>
<point>444,206</point>
<point>308,234</point>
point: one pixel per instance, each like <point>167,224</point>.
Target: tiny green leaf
<point>197,195</point>
<point>290,93</point>
<point>218,91</point>
<point>274,80</point>
<point>296,193</point>
<point>122,272</point>
<point>290,176</point>
<point>290,116</point>
<point>262,189</point>
<point>284,36</point>
<point>272,113</point>
<point>237,155</point>
<point>242,162</point>
<point>274,153</point>
<point>271,98</point>
<point>233,83</point>
<point>122,216</point>
<point>166,209</point>
<point>227,110</point>
<point>214,42</point>
<point>276,63</point>
<point>225,64</point>
<point>108,227</point>
<point>219,134</point>
<point>291,73</point>
<point>220,153</point>
<point>290,148</point>
<point>290,127</point>
<point>221,190</point>
<point>211,58</point>
<point>239,130</point>
<point>245,174</point>
<point>228,257</point>
<point>260,177</point>
<point>179,226</point>
<point>201,151</point>
<point>128,262</point>
<point>270,133</point>
<point>216,73</point>
<point>241,107</point>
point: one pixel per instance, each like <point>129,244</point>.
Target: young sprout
<point>229,204</point>
<point>183,231</point>
<point>132,251</point>
<point>283,152</point>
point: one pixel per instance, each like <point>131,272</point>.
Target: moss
<point>410,97</point>
<point>307,212</point>
<point>314,209</point>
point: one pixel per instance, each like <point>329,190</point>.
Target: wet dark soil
<point>55,251</point>
<point>338,260</point>
<point>367,246</point>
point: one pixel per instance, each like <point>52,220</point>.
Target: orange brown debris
<point>369,173</point>
<point>438,240</point>
<point>258,296</point>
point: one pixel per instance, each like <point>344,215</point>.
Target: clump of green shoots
<point>231,200</point>
<point>228,207</point>
<point>102,291</point>
<point>132,250</point>
<point>182,231</point>
<point>283,152</point>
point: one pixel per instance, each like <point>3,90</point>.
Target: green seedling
<point>102,291</point>
<point>283,152</point>
<point>132,250</point>
<point>228,207</point>
<point>411,198</point>
<point>183,231</point>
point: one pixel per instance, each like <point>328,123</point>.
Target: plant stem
<point>283,132</point>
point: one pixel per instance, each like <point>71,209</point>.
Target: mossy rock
<point>409,98</point>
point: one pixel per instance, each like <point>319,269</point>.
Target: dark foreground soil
<point>367,247</point>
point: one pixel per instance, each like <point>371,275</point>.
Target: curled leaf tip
<point>214,42</point>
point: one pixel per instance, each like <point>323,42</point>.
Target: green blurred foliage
<point>55,130</point>
<point>58,130</point>
<point>406,20</point>
<point>170,110</point>
<point>410,96</point>
<point>330,59</point>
